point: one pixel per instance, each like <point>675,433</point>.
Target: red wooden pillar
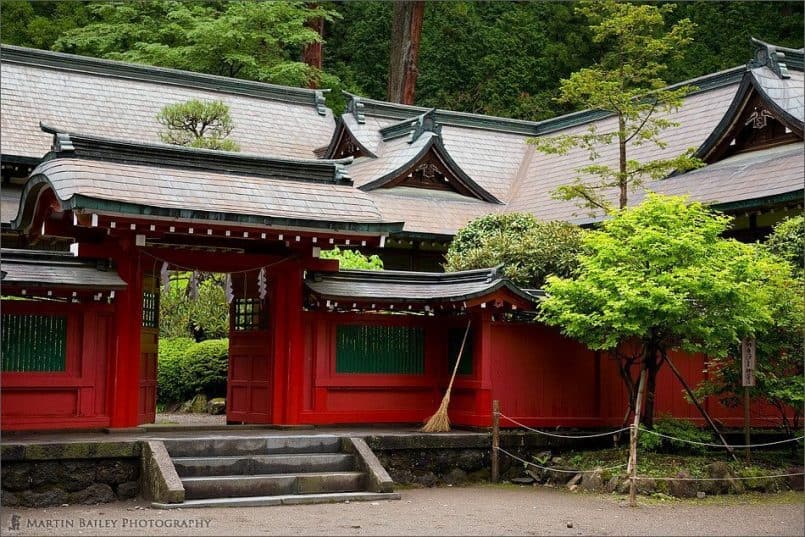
<point>483,397</point>
<point>296,345</point>
<point>125,379</point>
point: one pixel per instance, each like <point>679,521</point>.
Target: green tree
<point>251,40</point>
<point>528,249</point>
<point>353,259</point>
<point>195,123</point>
<point>788,240</point>
<point>780,372</point>
<point>628,81</point>
<point>205,317</point>
<point>660,277</point>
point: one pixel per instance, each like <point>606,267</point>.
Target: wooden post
<point>495,441</point>
<point>632,466</point>
<point>747,419</point>
<point>703,412</point>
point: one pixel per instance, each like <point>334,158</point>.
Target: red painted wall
<point>75,398</point>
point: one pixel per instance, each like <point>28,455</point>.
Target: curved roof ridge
<point>67,144</point>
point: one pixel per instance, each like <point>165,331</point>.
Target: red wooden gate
<point>149,342</point>
<point>250,363</point>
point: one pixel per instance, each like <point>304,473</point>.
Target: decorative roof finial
<point>425,123</point>
<point>355,106</point>
<point>769,56</point>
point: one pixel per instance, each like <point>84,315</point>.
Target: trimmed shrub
<point>205,367</point>
<point>187,368</point>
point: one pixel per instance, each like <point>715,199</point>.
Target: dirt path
<point>484,510</point>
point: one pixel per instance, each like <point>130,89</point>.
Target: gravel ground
<point>190,419</point>
<point>480,510</point>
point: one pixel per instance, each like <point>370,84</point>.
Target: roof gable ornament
<point>771,56</point>
<point>62,143</point>
<point>321,102</point>
<point>343,144</point>
<point>413,128</point>
<point>355,107</point>
<point>434,169</point>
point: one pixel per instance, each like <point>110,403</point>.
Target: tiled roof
<point>120,100</point>
<point>745,176</point>
<point>162,180</point>
<point>49,269</point>
<point>696,117</point>
<point>787,93</point>
<point>410,287</point>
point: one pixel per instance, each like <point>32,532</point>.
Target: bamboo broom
<point>440,422</point>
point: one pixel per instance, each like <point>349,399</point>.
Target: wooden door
<point>149,342</point>
<point>250,362</point>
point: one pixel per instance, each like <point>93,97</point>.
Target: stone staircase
<point>275,470</point>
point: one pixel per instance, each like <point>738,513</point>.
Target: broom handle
<point>458,358</point>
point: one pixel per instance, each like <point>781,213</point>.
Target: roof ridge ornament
<point>320,101</point>
<point>771,56</point>
<point>355,107</point>
<point>425,123</point>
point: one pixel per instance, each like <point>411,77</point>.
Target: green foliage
<point>628,81</point>
<point>251,40</point>
<point>788,240</point>
<point>206,317</point>
<point>528,249</point>
<point>195,123</point>
<point>170,369</point>
<point>353,259</point>
<point>662,274</point>
<point>780,372</point>
<point>187,368</point>
<point>678,428</point>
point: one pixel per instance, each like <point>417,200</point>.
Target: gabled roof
<point>121,100</point>
<point>769,86</point>
<point>413,288</point>
<point>54,270</point>
<point>164,181</point>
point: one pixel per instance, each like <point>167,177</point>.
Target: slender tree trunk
<point>651,384</point>
<point>622,177</point>
<point>313,53</point>
<point>406,30</point>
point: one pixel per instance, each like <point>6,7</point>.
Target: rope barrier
<point>554,435</point>
<point>513,456</point>
<point>709,444</point>
<point>244,271</point>
<point>646,478</point>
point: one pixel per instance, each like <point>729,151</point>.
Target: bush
<point>187,368</point>
<point>206,366</point>
<point>678,428</point>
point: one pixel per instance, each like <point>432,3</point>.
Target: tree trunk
<point>623,183</point>
<point>313,53</point>
<point>406,30</point>
<point>651,385</point>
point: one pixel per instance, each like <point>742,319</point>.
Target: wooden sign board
<point>748,362</point>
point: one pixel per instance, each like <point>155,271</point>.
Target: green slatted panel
<point>379,349</point>
<point>454,338</point>
<point>34,342</point>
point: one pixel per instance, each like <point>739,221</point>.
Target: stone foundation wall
<point>55,482</point>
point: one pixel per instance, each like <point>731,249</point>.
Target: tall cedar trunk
<point>313,53</point>
<point>651,385</point>
<point>622,178</point>
<point>406,30</point>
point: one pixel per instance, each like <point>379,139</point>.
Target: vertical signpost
<point>748,363</point>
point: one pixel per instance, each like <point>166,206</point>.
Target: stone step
<point>263,464</point>
<point>247,445</point>
<point>291,499</point>
<point>271,484</point>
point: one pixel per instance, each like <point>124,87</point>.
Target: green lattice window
<point>150,309</point>
<point>379,349</point>
<point>34,342</point>
<point>454,338</point>
<point>248,314</point>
